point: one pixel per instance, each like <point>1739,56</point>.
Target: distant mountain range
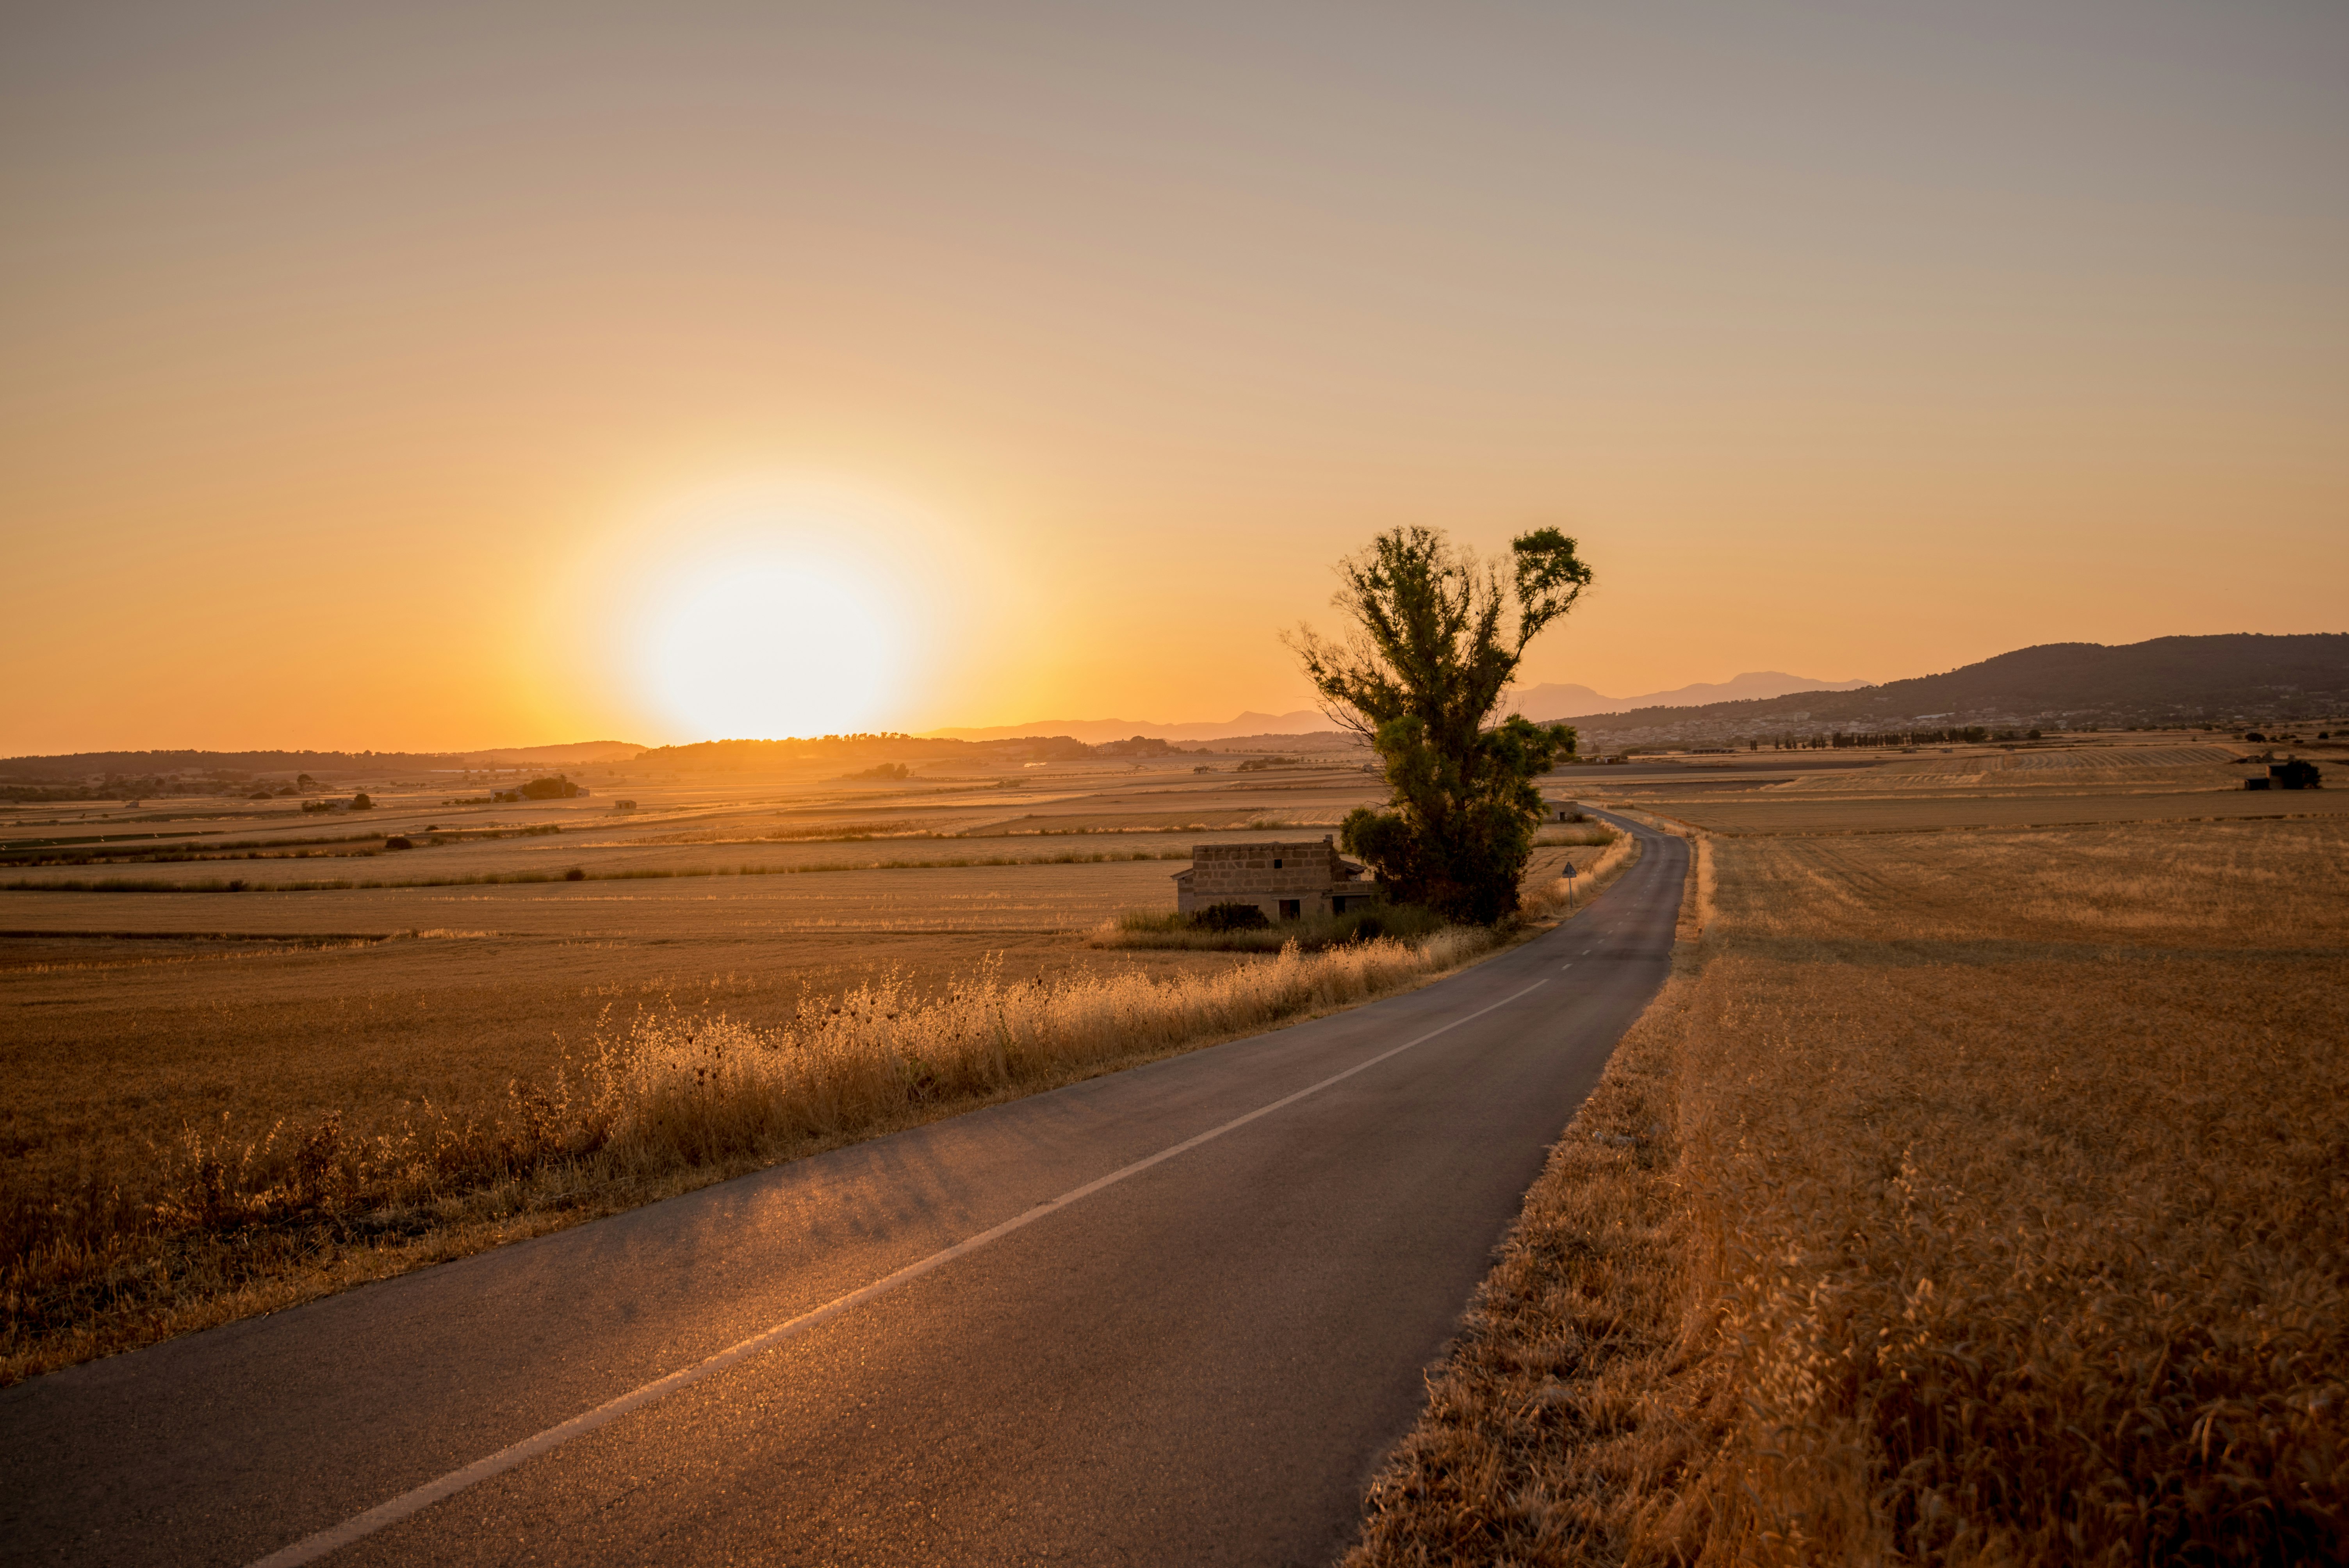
<point>76,766</point>
<point>2237,677</point>
<point>1093,731</point>
<point>1552,700</point>
<point>1544,702</point>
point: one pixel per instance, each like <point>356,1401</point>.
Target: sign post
<point>1569,887</point>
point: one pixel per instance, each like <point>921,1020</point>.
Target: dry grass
<point>1988,1202</point>
<point>217,1222</point>
<point>1163,929</point>
<point>691,1088</point>
<point>1586,834</point>
<point>1597,862</point>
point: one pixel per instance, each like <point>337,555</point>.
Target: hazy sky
<point>420,375</point>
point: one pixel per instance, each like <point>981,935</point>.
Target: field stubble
<point>1971,1198</point>
<point>183,1152</point>
<point>2078,788</point>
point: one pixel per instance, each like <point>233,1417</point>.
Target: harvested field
<point>2101,769</point>
<point>113,1044</point>
<point>1971,1198</point>
<point>1034,896</point>
<point>775,809</point>
<point>563,862</point>
<point>599,856</point>
<point>1750,814</point>
<point>1994,789</point>
<point>228,1101</point>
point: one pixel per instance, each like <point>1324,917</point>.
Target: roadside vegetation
<point>1967,1198</point>
<point>230,1219</point>
<point>1313,933</point>
<point>1581,831</point>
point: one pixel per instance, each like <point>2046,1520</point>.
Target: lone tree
<point>1438,638</point>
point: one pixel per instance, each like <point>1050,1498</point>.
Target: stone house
<point>2294,774</point>
<point>1287,880</point>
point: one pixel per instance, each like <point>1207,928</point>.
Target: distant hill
<point>2235,678</point>
<point>1547,701</point>
<point>572,751</point>
<point>1093,731</point>
<point>78,766</point>
<point>1552,700</point>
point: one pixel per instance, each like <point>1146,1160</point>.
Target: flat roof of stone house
<point>1280,849</point>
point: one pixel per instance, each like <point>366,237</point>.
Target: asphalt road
<point>1189,1314</point>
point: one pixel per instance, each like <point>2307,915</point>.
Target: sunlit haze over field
<point>436,376</point>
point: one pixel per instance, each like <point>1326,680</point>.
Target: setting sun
<point>768,648</point>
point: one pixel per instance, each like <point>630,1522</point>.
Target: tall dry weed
<point>698,1089</point>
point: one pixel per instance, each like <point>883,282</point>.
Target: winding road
<point>1175,1315</point>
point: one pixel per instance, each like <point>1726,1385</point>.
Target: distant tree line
<point>120,787</point>
<point>1841,739</point>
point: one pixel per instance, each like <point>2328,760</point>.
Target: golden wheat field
<point>224,1101</point>
<point>1969,1198</point>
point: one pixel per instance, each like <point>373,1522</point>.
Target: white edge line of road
<point>310,1548</point>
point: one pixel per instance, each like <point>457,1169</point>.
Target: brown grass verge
<point>1577,1411</point>
<point>1161,929</point>
<point>1987,1202</point>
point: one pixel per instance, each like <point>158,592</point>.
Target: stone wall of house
<point>1310,875</point>
<point>1248,870</point>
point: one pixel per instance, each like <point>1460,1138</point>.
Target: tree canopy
<point>1437,637</point>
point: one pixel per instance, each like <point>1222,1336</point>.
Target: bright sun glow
<point>752,647</point>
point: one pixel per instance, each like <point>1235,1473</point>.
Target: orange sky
<point>429,376</point>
